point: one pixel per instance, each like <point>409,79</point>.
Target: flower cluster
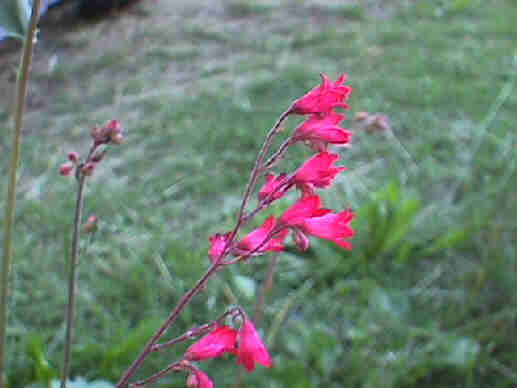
<point>305,217</point>
<point>245,344</point>
<point>109,133</point>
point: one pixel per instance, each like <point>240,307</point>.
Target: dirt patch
<point>155,47</point>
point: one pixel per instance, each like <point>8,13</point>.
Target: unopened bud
<point>98,135</point>
<point>360,116</point>
<point>90,225</point>
<point>117,138</point>
<point>382,123</point>
<point>88,168</point>
<point>192,381</point>
<point>66,169</point>
<point>300,240</point>
<point>97,157</point>
<point>73,157</point>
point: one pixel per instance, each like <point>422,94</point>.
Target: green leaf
<point>14,17</point>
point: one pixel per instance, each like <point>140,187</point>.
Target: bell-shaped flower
<point>305,207</point>
<point>251,349</point>
<point>319,130</point>
<point>318,171</point>
<point>220,340</point>
<point>217,245</point>
<point>323,98</point>
<point>333,226</point>
<point>274,186</point>
<point>262,239</point>
<point>199,380</point>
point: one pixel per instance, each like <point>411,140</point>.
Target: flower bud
<point>300,240</point>
<point>88,168</point>
<point>73,157</point>
<point>117,138</point>
<point>66,169</point>
<point>90,225</point>
<point>98,156</point>
<point>382,123</point>
<point>360,116</point>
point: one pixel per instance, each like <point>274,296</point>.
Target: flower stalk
<point>72,276</point>
<point>305,217</point>
<point>21,96</point>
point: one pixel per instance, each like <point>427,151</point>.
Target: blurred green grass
<point>425,299</point>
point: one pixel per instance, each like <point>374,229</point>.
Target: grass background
<point>426,298</point>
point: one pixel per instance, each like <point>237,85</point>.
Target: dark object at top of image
<point>86,9</point>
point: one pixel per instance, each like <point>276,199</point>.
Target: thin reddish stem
<point>255,173</point>
<point>158,375</point>
<point>185,299</point>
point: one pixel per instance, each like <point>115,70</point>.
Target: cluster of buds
<point>372,122</point>
<point>109,133</point>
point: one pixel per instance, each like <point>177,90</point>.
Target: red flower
<point>273,184</point>
<point>262,239</point>
<point>323,98</point>
<point>214,344</point>
<point>322,129</point>
<point>199,380</point>
<point>318,171</point>
<point>306,207</point>
<point>251,350</point>
<point>306,217</point>
<point>217,245</point>
<point>334,227</point>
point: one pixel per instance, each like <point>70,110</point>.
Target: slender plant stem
<point>72,275</point>
<point>21,95</point>
<point>256,171</point>
<point>185,299</point>
<point>156,376</point>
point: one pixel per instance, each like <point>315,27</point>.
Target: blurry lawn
<point>426,298</point>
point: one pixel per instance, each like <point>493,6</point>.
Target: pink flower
<point>306,207</point>
<point>66,169</point>
<point>199,380</point>
<point>318,171</point>
<point>273,184</point>
<point>333,226</point>
<point>214,344</point>
<point>323,98</point>
<point>251,350</point>
<point>217,245</point>
<point>262,239</point>
<point>319,130</point>
<point>306,217</point>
